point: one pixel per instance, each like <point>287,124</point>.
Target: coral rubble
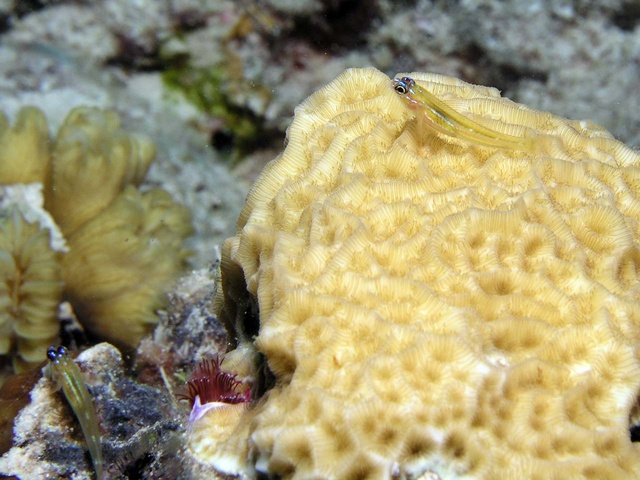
<point>137,427</point>
<point>433,307</point>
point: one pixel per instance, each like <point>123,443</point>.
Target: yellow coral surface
<point>434,308</point>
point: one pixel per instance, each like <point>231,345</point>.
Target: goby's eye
<point>400,88</point>
<point>403,85</point>
<point>52,353</point>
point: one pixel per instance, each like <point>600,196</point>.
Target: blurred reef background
<point>213,85</point>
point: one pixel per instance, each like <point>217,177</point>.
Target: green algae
<point>212,90</point>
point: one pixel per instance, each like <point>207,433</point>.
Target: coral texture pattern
<point>124,246</point>
<point>432,308</point>
<point>29,291</point>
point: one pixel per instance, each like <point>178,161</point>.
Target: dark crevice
<point>240,315</point>
<point>240,141</point>
<point>5,23</point>
<point>343,24</point>
<point>223,141</point>
<point>133,56</point>
<point>501,76</point>
<point>505,77</point>
<point>265,379</point>
<point>25,7</point>
<point>251,318</point>
<point>135,469</point>
<point>628,17</point>
<point>188,20</point>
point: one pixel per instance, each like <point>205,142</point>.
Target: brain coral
<point>434,308</point>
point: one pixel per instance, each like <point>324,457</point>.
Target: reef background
<point>215,83</point>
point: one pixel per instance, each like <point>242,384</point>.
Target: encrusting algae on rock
<point>434,308</point>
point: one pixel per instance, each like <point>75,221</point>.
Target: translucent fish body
<point>443,119</point>
<point>64,371</point>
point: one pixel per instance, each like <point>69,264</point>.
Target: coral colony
<point>436,302</point>
<point>80,188</point>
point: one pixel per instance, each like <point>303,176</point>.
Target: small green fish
<point>444,119</point>
<point>64,371</point>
